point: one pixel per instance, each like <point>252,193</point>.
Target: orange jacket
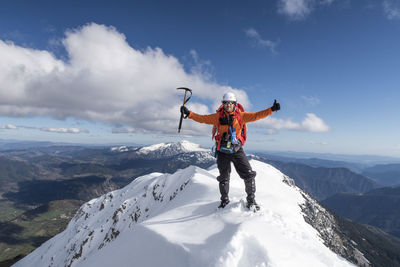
<point>244,116</point>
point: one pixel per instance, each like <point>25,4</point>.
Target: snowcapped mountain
<point>163,149</point>
<point>172,220</point>
<point>120,149</point>
<point>164,157</point>
<point>172,148</point>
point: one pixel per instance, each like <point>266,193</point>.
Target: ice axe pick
<point>185,100</point>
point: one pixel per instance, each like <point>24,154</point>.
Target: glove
<point>185,111</point>
<point>275,106</point>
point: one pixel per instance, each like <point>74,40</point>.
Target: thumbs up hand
<point>276,106</point>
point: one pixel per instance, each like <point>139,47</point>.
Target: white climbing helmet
<point>229,97</point>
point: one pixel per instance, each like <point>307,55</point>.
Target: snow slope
<point>172,220</point>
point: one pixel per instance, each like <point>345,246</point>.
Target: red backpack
<point>239,108</point>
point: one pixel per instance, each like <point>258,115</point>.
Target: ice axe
<point>185,100</point>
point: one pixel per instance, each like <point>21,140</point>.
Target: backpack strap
<point>215,130</point>
<point>243,135</point>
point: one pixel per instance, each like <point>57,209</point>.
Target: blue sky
<point>102,72</point>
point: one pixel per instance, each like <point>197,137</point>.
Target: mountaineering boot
<point>253,206</point>
<point>250,187</point>
<point>223,203</point>
<point>224,190</point>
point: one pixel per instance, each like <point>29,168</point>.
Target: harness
<point>232,132</point>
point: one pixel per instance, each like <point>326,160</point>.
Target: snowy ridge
<point>120,149</point>
<point>184,151</point>
<point>172,148</point>
<point>171,220</point>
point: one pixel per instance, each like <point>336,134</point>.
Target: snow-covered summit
<point>172,148</point>
<point>162,149</point>
<point>172,220</point>
<point>120,149</point>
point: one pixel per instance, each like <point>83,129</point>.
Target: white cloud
<point>8,126</point>
<point>271,131</point>
<point>201,67</point>
<point>391,9</point>
<point>124,130</point>
<point>311,100</point>
<point>318,143</point>
<point>295,9</point>
<point>46,129</point>
<point>27,127</point>
<point>256,37</point>
<point>299,9</point>
<point>64,130</point>
<point>105,80</point>
<point>311,123</point>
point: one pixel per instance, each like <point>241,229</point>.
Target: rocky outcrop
<point>330,232</point>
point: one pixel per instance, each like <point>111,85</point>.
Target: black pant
<point>242,167</point>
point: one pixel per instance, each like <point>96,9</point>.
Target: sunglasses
<point>229,102</point>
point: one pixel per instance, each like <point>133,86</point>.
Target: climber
<point>230,125</point>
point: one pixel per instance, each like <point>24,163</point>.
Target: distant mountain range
<point>316,162</point>
<point>322,182</point>
<point>364,160</point>
<point>379,207</point>
<point>11,144</point>
<point>385,174</point>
